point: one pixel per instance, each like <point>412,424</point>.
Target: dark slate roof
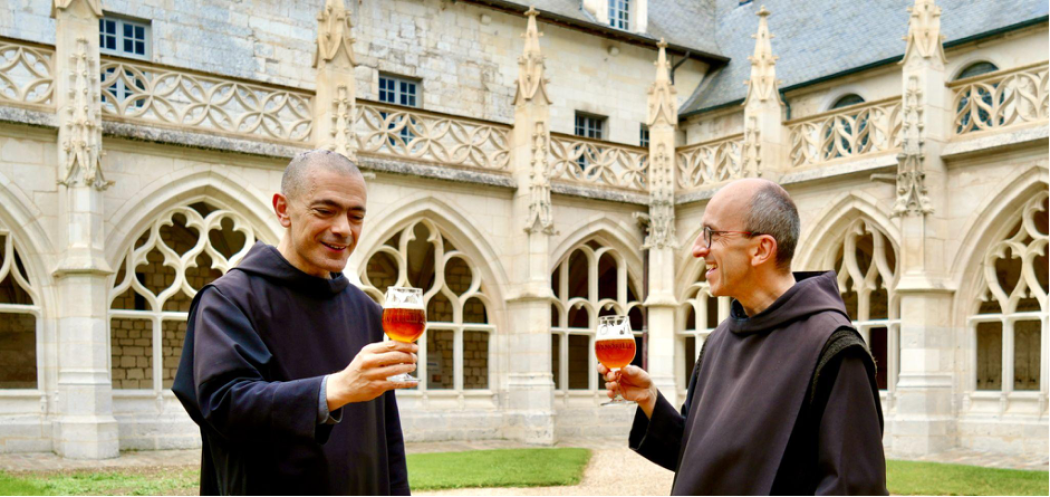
<point>686,23</point>
<point>819,38</point>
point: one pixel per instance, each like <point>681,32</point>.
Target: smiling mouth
<point>336,248</point>
<point>711,268</point>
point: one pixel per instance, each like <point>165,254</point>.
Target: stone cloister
<point>126,185</point>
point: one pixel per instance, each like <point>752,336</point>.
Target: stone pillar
<point>335,101</point>
<point>765,138</point>
<point>660,240</point>
<point>85,427</point>
<point>529,405</point>
<point>924,422</point>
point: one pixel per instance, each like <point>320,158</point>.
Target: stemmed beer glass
<point>614,345</point>
<point>404,320</point>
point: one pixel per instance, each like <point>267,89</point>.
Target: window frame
<point>398,92</point>
<point>643,135</point>
<point>121,24</point>
<point>620,14</point>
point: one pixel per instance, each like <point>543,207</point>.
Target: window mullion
<point>457,359</point>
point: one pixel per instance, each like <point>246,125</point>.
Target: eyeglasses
<point>709,235</point>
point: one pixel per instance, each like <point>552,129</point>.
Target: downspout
<point>675,66</point>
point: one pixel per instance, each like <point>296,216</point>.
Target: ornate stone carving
<point>94,6</point>
<point>763,83</point>
<point>870,128</point>
<point>531,80</point>
<point>710,162</point>
<point>344,141</point>
<point>661,233</point>
<point>911,177</point>
<point>540,183</point>
<point>334,35</point>
<point>26,73</point>
<point>752,154</point>
<point>590,162</point>
<point>924,32</point>
<point>662,102</point>
<point>82,131</point>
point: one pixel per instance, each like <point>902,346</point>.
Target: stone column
<point>765,138</point>
<point>85,427</point>
<point>660,240</point>
<point>529,405</point>
<point>335,101</point>
<point>924,422</point>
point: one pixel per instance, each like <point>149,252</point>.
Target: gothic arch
<point>21,216</point>
<point>225,190</point>
<point>815,244</point>
<point>461,230</point>
<point>610,234</point>
<point>987,225</point>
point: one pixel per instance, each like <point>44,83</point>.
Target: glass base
<point>403,378</point>
<point>618,400</point>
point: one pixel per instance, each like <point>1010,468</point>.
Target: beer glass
<point>404,320</point>
<point>614,345</point>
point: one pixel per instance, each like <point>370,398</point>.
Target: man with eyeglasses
<point>782,399</point>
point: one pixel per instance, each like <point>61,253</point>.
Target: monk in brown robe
<point>783,398</point>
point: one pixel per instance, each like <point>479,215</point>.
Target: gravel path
<point>610,472</point>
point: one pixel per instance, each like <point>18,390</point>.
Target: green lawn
<point>497,468</point>
<point>927,478</point>
<point>516,468</point>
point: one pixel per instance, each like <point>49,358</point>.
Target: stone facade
<point>928,197</point>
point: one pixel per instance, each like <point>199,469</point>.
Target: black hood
<point>813,293</point>
<point>264,260</point>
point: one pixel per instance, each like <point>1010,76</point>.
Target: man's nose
<point>700,248</point>
<point>340,227</point>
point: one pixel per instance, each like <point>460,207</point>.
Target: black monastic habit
<point>784,402</point>
<point>259,341</point>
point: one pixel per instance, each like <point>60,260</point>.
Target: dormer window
<point>620,14</point>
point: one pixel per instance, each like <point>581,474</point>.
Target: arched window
<point>19,315</point>
<point>454,350</point>
<point>591,281</point>
<point>974,107</point>
<point>846,134</point>
<point>1010,324</point>
<point>867,268</point>
<point>699,315</point>
<point>184,249</point>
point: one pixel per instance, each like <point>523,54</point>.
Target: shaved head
<point>297,177</point>
<point>766,208</point>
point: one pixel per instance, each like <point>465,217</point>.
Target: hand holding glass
<point>404,320</point>
<point>614,345</point>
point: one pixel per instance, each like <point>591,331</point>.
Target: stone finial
<point>662,102</point>
<point>763,82</point>
<point>531,80</point>
<point>912,198</point>
<point>94,6</point>
<point>335,41</point>
<point>924,32</point>
<point>540,218</point>
<point>661,231</point>
<point>82,131</point>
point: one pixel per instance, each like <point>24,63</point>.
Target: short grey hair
<point>773,213</point>
<point>295,175</point>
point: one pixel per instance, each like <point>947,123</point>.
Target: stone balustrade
<point>26,74</point>
<point>151,94</point>
<point>860,129</point>
<point>426,136</point>
<point>1000,99</point>
<point>591,162</point>
<point>710,162</point>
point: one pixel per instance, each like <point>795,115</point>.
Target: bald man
<point>782,399</point>
<point>284,368</point>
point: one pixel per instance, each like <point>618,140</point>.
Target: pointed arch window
<point>454,351</point>
<point>19,319</point>
<point>1008,330</point>
<point>867,268</point>
<point>974,108</point>
<point>184,249</point>
<point>698,315</point>
<point>591,281</point>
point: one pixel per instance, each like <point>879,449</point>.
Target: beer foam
<point>402,305</point>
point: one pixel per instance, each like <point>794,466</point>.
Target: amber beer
<point>404,324</point>
<point>615,354</point>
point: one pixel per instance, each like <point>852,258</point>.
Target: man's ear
<point>763,250</point>
<point>280,207</point>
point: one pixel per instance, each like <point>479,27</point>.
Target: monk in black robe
<point>284,368</point>
<point>782,399</point>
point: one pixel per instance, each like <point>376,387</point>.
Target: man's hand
<point>635,385</point>
<point>366,376</point>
